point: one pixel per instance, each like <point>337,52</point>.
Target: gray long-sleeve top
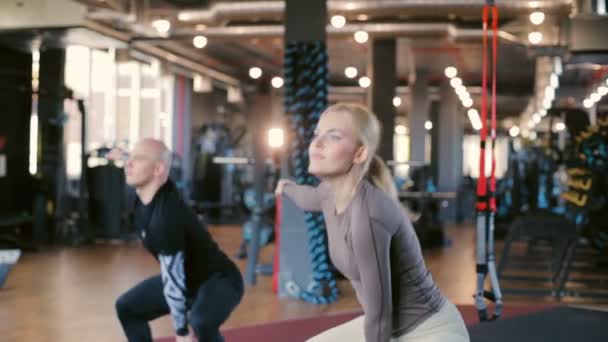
<point>374,245</point>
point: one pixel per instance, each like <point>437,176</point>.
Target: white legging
<point>444,326</point>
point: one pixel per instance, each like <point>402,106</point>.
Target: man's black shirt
<point>168,226</point>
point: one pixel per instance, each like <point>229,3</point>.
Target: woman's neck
<point>344,187</point>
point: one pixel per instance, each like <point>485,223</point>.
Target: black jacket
<point>187,253</point>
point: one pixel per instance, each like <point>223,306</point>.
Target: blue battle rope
<point>306,83</point>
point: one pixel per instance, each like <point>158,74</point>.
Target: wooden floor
<point>67,294</point>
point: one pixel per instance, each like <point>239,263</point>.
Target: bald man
<point>198,284</point>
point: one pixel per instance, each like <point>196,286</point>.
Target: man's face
<point>142,166</point>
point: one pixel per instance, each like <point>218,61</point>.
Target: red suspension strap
<point>487,201</point>
<point>493,123</point>
<point>481,183</point>
<point>486,198</point>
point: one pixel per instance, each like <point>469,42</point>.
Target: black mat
<point>555,325</point>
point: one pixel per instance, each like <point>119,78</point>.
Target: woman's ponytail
<point>380,176</point>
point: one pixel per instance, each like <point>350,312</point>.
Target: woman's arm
<point>306,197</point>
<point>371,245</point>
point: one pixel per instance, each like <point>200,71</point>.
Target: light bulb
<point>396,101</point>
<point>351,72</point>
<point>537,18</point>
<point>161,25</point>
<point>338,21</point>
<point>199,42</point>
<point>361,37</point>
<point>277,82</point>
<point>451,72</point>
<point>455,82</point>
<point>365,82</point>
<point>535,37</point>
<point>255,73</point>
<point>514,131</point>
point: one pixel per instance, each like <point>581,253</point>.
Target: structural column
<point>306,92</point>
<point>305,20</point>
<point>182,123</point>
<point>418,115</point>
<point>450,131</point>
<point>382,71</point>
<point>52,159</point>
<point>434,135</point>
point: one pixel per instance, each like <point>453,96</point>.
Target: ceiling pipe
<point>418,30</point>
<point>116,5</point>
<point>157,52</point>
<point>274,10</point>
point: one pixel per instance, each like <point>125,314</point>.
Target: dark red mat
<point>301,329</point>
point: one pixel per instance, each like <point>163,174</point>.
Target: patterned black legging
<point>215,300</point>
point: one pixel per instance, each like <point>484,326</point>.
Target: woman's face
<point>335,146</point>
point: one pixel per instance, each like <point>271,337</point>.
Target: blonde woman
<point>371,240</point>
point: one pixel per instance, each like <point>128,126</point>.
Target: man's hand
<point>187,338</point>
<point>280,185</point>
<point>116,154</point>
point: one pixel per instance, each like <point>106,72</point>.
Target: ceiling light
<point>365,82</point>
<point>474,118</point>
<point>549,92</point>
<point>535,37</point>
<point>202,84</point>
<point>595,97</point>
<point>162,25</point>
<point>400,129</point>
<point>602,90</point>
<point>554,80</point>
<point>542,112</point>
<point>461,91</point>
<point>514,131</point>
<point>537,18</point>
<point>467,103</point>
<point>455,82</point>
<point>338,21</point>
<point>428,125</point>
<point>464,96</point>
<point>558,67</point>
<point>351,72</point>
<point>536,118</point>
<point>255,73</point>
<point>451,72</point>
<point>396,101</point>
<point>560,126</point>
<point>184,16</point>
<point>234,95</point>
<point>361,37</point>
<point>277,82</point>
<point>532,135</point>
<point>199,42</point>
<point>588,103</point>
<point>276,137</point>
